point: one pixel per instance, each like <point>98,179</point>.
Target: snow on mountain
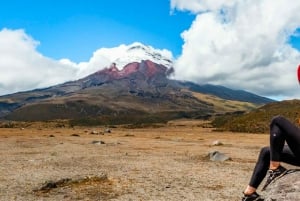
<point>136,52</point>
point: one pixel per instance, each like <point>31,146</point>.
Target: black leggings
<point>281,131</point>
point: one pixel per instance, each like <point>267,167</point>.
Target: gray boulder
<point>218,156</point>
<point>286,188</point>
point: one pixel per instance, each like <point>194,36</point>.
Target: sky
<point>253,45</point>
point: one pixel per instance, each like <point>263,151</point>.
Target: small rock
<point>75,135</point>
<point>49,185</point>
<point>98,142</point>
<point>217,143</point>
<point>128,135</point>
<point>94,132</point>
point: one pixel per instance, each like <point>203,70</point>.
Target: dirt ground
<point>141,164</point>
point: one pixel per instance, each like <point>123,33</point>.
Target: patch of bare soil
<point>160,163</point>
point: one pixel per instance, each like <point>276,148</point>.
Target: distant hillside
<point>258,120</point>
<point>227,94</point>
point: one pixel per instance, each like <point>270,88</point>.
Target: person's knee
<point>276,119</point>
<point>264,153</point>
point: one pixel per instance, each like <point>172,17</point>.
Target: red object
<point>298,73</point>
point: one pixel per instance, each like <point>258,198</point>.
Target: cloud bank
<point>23,68</point>
<point>242,44</point>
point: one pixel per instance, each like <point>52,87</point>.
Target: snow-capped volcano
<point>136,52</point>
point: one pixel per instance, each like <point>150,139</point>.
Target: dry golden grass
<point>159,163</point>
<point>221,105</point>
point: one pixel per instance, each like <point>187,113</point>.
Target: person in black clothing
<point>284,147</point>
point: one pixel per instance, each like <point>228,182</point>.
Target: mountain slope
<point>140,92</point>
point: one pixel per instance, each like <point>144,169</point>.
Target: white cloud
<point>23,68</point>
<point>241,44</point>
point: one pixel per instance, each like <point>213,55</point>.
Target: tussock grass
<point>258,120</point>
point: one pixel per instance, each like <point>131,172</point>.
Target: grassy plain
<point>162,162</point>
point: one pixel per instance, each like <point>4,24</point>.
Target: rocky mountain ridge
<point>146,69</point>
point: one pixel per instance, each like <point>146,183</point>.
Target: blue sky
<point>75,29</point>
<point>251,45</point>
<point>294,40</point>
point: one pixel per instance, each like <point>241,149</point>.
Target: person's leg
<point>277,141</point>
<point>281,131</point>
<point>260,171</point>
<point>262,165</point>
<point>287,156</point>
